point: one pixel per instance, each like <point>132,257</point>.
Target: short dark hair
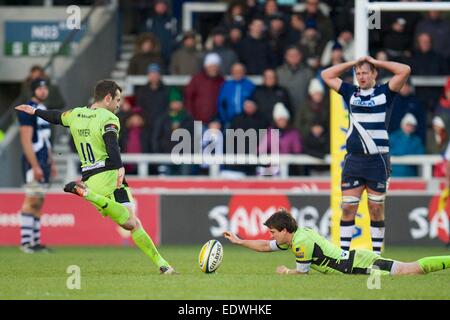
<point>282,220</point>
<point>361,63</point>
<point>105,87</point>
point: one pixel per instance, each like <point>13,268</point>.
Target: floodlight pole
<point>361,28</point>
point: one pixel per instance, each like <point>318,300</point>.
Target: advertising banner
<point>306,185</point>
<point>70,220</point>
<point>194,219</point>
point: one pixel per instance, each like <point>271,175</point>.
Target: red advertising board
<point>301,184</point>
<point>69,220</point>
<point>247,214</point>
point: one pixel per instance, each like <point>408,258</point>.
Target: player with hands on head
<point>367,162</point>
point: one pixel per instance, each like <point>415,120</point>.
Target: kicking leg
<point>125,217</point>
<point>144,242</point>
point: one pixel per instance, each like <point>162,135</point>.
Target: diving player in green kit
<point>95,132</point>
<point>312,251</point>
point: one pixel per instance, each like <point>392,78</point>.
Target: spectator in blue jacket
<point>404,142</point>
<point>233,94</point>
<point>407,102</point>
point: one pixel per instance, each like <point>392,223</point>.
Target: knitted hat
<point>280,111</point>
<point>36,83</point>
<point>409,119</point>
<point>315,86</point>
<point>438,122</point>
<point>154,67</point>
<point>212,58</point>
<point>336,46</point>
<point>175,95</point>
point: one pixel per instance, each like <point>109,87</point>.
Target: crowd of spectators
<point>288,49</point>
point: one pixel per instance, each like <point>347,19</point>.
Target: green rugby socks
<point>145,243</point>
<point>120,215</point>
<point>432,264</point>
<point>118,212</point>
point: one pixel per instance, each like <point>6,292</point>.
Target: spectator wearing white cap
<point>405,142</point>
<point>202,91</point>
<point>290,139</point>
<point>315,108</point>
<point>218,44</point>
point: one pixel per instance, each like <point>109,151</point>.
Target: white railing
<point>190,8</point>
<point>176,80</point>
<point>171,80</point>
<point>424,162</point>
<point>362,8</point>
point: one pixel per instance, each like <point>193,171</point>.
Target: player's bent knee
<point>349,201</point>
<point>129,225</point>
<point>376,199</point>
<point>132,224</point>
<point>35,204</point>
<point>349,206</point>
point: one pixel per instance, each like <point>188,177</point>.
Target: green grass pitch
<point>125,273</point>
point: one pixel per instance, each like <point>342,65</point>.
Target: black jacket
<point>257,121</point>
<point>256,54</point>
<point>154,103</point>
<point>267,97</point>
<point>164,126</point>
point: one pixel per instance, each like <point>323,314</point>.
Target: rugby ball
<point>210,256</point>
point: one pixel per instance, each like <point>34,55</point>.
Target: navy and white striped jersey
<point>41,132</point>
<point>369,114</point>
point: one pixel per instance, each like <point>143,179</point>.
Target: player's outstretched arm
<point>256,245</point>
<point>331,75</point>
<point>401,72</point>
<point>286,270</point>
<point>52,116</point>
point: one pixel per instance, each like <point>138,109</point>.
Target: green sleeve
<point>66,117</point>
<point>110,123</point>
<point>303,250</point>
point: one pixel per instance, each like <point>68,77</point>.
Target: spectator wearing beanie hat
<point>175,118</point>
<point>201,93</point>
<point>219,46</point>
<point>152,98</point>
<point>288,142</point>
<point>314,109</point>
<point>290,139</point>
<point>404,142</point>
